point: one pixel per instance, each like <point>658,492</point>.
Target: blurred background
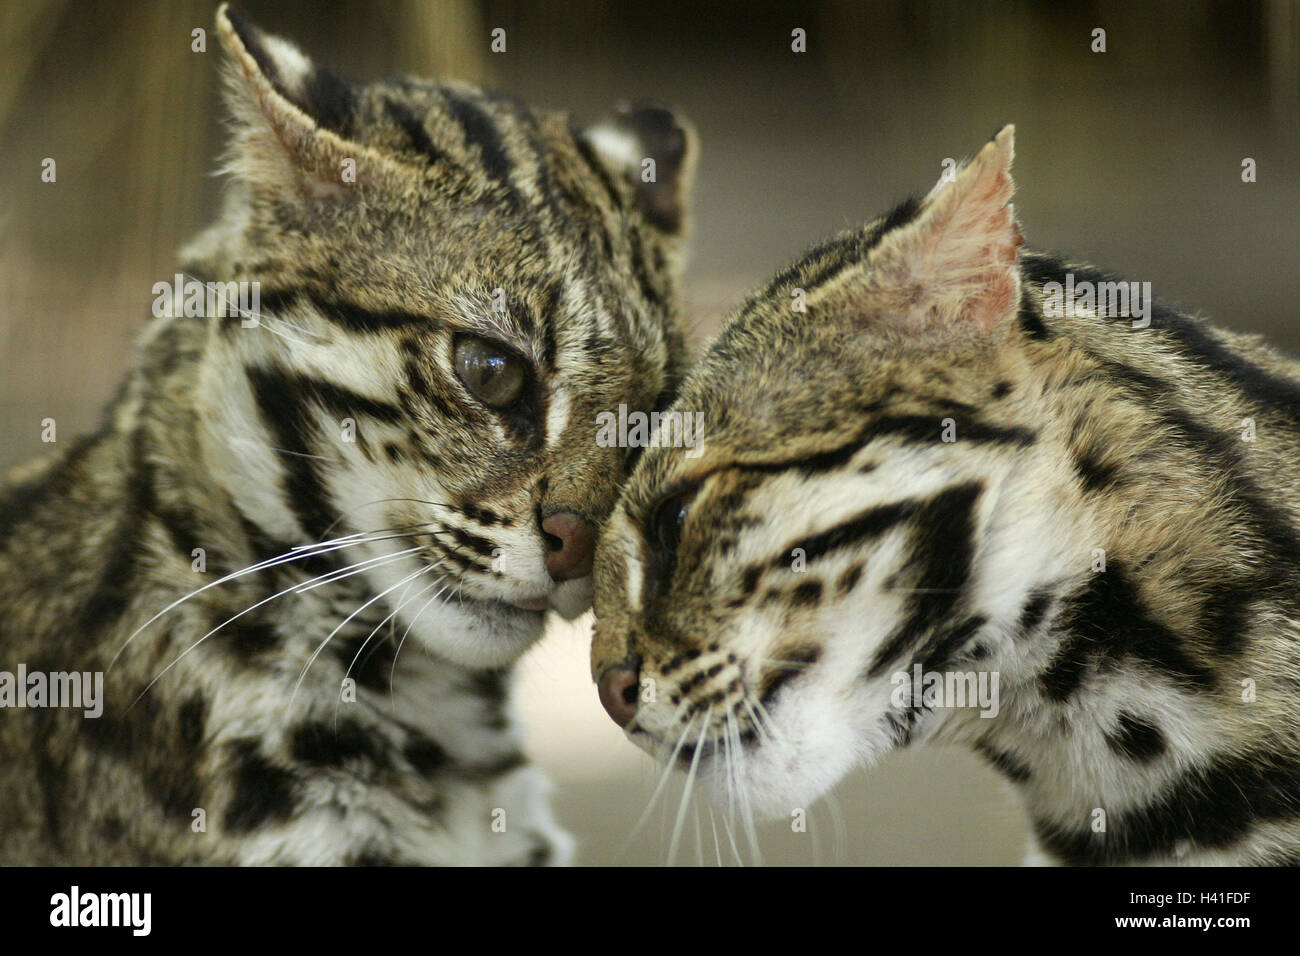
<point>1131,158</point>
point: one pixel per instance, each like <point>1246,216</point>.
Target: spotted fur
<point>1112,530</point>
<point>181,551</point>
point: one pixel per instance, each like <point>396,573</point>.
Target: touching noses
<point>572,543</point>
<point>618,693</point>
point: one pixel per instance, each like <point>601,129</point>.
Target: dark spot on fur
<point>425,755</point>
<point>849,578</point>
<point>334,743</point>
<point>810,592</point>
<point>249,638</point>
<point>1095,474</point>
<point>191,720</point>
<point>1136,739</point>
<point>263,792</point>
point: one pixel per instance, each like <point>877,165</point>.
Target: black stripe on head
<point>827,258</point>
<point>1136,739</point>
<point>526,122</point>
<point>345,403</point>
<point>863,527</point>
<point>923,428</point>
<point>597,168</point>
<point>476,543</point>
<point>549,317</point>
<point>285,415</point>
<point>480,130</point>
<point>942,555</point>
<point>352,318</point>
<point>811,464</point>
<point>416,132</point>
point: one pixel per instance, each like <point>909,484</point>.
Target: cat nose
<point>617,687</point>
<point>572,541</point>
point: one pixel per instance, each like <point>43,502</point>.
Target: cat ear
<point>291,116</point>
<point>955,265</point>
<point>653,149</point>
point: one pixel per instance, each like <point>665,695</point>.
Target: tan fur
<point>339,416</point>
<point>1079,433</point>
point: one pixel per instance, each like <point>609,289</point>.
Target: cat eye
<point>666,525</point>
<point>491,372</point>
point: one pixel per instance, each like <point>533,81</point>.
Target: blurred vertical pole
<point>164,131</point>
<point>446,39</point>
<point>1282,29</point>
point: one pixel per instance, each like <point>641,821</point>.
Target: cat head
<point>864,437</point>
<point>450,287</point>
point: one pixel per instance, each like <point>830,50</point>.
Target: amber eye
<point>493,374</point>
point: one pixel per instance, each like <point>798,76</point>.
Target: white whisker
<point>300,588</point>
<point>343,623</point>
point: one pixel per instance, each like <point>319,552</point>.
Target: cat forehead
<point>761,400</point>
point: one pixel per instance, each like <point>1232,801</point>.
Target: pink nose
<point>617,688</point>
<point>572,540</point>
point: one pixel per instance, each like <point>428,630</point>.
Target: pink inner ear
<point>956,266</point>
<point>1000,278</point>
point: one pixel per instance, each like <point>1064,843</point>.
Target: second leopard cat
<point>396,453</point>
<point>944,467</point>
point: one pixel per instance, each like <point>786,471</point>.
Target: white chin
<point>571,599</point>
<point>478,634</point>
<point>766,792</point>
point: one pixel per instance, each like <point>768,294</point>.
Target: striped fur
<point>380,220</point>
<point>1147,709</point>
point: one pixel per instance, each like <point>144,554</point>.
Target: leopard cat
<point>943,466</point>
<point>393,454</point>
